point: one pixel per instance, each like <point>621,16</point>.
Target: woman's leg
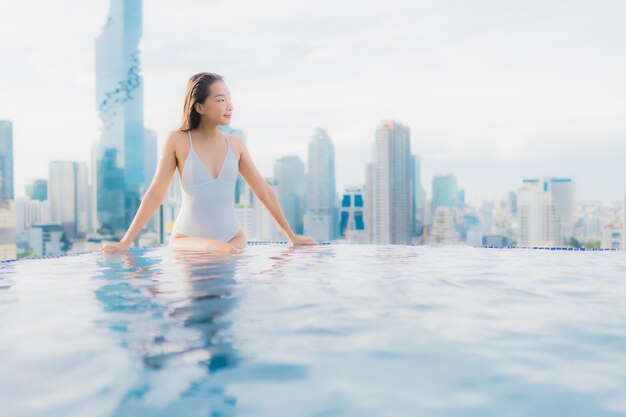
<point>239,240</point>
<point>180,241</point>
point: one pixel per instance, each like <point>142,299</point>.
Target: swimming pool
<point>328,330</point>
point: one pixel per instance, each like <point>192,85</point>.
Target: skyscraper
<point>321,220</point>
<point>562,191</point>
<point>68,191</point>
<point>443,230</point>
<point>445,193</point>
<point>37,190</point>
<point>119,100</point>
<point>418,195</point>
<point>352,225</point>
<point>538,218</point>
<point>150,166</point>
<point>8,248</point>
<point>291,184</point>
<point>266,228</point>
<point>389,185</point>
<point>624,224</point>
<point>6,160</point>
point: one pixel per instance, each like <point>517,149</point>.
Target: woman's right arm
<point>154,196</point>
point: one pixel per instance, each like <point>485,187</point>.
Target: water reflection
<point>171,308</point>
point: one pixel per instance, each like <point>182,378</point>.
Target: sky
<point>492,91</point>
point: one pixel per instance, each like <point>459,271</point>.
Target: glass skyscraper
<point>6,160</point>
<point>291,184</point>
<point>417,195</point>
<point>120,158</point>
<point>388,183</point>
<point>321,218</point>
<point>445,192</point>
<point>562,191</point>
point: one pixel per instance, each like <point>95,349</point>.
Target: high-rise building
<point>150,166</point>
<point>6,160</point>
<point>368,206</point>
<point>443,229</point>
<point>389,185</point>
<point>461,199</point>
<point>68,191</point>
<point>562,191</point>
<point>8,247</point>
<point>37,190</point>
<point>168,211</point>
<point>266,228</point>
<point>29,212</point>
<point>120,167</point>
<point>291,184</point>
<point>612,236</point>
<point>47,239</point>
<point>352,223</point>
<point>321,219</point>
<point>512,202</point>
<point>538,218</point>
<point>418,195</point>
<point>445,193</point>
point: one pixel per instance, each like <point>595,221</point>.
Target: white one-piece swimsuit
<point>208,204</point>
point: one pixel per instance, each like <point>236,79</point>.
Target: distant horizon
<point>491,93</point>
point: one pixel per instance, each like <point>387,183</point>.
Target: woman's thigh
<point>181,241</point>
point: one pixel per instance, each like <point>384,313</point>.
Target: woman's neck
<point>209,131</point>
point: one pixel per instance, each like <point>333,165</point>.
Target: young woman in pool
<point>208,162</point>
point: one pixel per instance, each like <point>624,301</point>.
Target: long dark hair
<point>197,91</point>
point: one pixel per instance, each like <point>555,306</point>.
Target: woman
<point>208,162</point>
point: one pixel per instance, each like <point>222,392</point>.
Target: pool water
<point>327,330</point>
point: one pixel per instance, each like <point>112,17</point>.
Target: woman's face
<point>218,106</point>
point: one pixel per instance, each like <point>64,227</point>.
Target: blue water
<point>329,330</point>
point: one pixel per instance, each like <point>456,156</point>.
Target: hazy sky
<point>492,91</point>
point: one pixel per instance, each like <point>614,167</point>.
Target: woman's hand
<point>303,240</point>
<point>114,246</point>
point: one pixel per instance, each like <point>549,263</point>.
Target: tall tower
<point>538,217</point>
<point>562,192</point>
<point>321,219</point>
<point>291,185</point>
<point>418,195</point>
<point>119,100</point>
<point>390,187</point>
<point>445,192</point>
<point>8,248</point>
<point>6,160</point>
<point>68,193</point>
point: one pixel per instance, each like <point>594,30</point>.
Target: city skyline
<point>474,108</point>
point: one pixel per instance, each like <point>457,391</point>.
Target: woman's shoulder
<point>175,142</point>
<point>235,140</point>
<point>235,143</point>
<point>175,134</point>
